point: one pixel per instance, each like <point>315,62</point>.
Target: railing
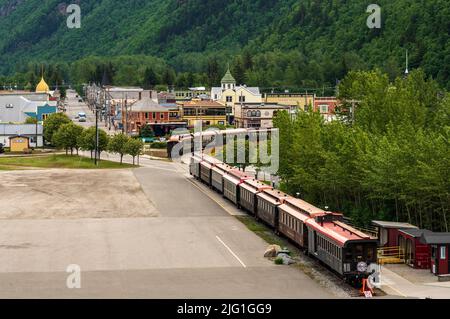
<point>371,231</point>
<point>391,255</point>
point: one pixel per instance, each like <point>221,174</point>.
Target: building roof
<point>146,104</point>
<point>435,238</point>
<point>252,89</point>
<point>202,103</point>
<point>228,78</point>
<point>20,129</point>
<point>42,86</point>
<point>385,224</point>
<point>15,108</point>
<point>263,106</point>
<point>414,232</point>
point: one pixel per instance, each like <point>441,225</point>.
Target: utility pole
<point>96,131</point>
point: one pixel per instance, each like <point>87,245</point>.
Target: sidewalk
<point>396,285</point>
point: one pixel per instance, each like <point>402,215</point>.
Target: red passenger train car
<point>322,234</point>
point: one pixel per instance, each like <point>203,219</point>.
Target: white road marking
<point>231,252</point>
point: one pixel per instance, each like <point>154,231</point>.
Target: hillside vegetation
<point>285,43</point>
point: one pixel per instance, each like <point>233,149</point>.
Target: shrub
<point>278,261</point>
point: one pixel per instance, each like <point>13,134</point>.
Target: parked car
<point>82,119</point>
<point>82,114</point>
<point>2,150</point>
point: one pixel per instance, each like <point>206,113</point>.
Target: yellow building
<point>296,100</point>
<point>19,143</point>
<point>207,111</point>
<point>229,93</point>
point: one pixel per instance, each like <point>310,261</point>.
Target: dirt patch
<point>63,193</point>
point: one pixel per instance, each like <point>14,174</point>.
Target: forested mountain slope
<point>292,41</point>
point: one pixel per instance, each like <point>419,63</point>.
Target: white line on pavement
<point>229,249</point>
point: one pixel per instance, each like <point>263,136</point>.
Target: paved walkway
<point>394,284</point>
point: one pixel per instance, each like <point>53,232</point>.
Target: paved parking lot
<point>175,242</point>
<point>59,193</point>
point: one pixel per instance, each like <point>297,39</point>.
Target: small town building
<point>439,244</point>
<point>163,118</point>
<point>42,86</point>
<point>327,107</point>
<point>229,93</point>
<point>388,232</point>
<point>297,101</point>
<point>257,115</point>
<point>417,254</point>
<point>34,132</point>
<point>192,93</point>
<point>16,108</point>
<point>19,143</point>
<point>207,111</point>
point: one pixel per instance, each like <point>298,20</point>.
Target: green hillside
<point>286,42</point>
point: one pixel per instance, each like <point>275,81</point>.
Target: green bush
<point>278,261</point>
<point>158,145</point>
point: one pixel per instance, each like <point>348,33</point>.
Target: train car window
<point>359,250</point>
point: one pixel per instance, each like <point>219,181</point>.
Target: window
<point>242,98</point>
<point>154,115</point>
<point>443,253</point>
<point>229,99</point>
<point>323,108</point>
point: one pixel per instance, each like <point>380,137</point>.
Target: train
<point>187,141</point>
<point>320,234</point>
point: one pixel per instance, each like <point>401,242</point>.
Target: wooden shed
<point>439,256</point>
<point>388,232</point>
<point>417,254</point>
<point>19,143</point>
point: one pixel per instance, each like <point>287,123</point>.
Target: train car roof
<point>273,195</point>
<point>305,206</point>
<point>257,184</point>
<point>224,167</point>
<point>206,164</point>
<point>254,186</point>
<point>338,231</point>
<point>238,174</point>
<point>210,159</point>
<point>295,213</point>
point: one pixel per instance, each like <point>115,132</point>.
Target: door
<point>448,259</point>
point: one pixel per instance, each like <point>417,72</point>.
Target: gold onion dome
<point>42,87</point>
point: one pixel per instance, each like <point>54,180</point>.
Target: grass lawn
<point>56,161</point>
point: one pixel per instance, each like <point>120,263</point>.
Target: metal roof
<point>435,238</point>
<point>414,232</point>
<point>20,129</point>
<point>385,224</point>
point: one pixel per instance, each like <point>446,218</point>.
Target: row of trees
<point>388,159</point>
<point>65,134</point>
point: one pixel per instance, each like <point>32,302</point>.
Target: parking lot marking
<point>231,252</point>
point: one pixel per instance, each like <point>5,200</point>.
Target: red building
<point>439,244</point>
<point>326,106</point>
<point>417,254</point>
<point>147,110</point>
<point>389,232</point>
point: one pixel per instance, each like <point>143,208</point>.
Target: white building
<point>29,130</point>
<point>229,93</point>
